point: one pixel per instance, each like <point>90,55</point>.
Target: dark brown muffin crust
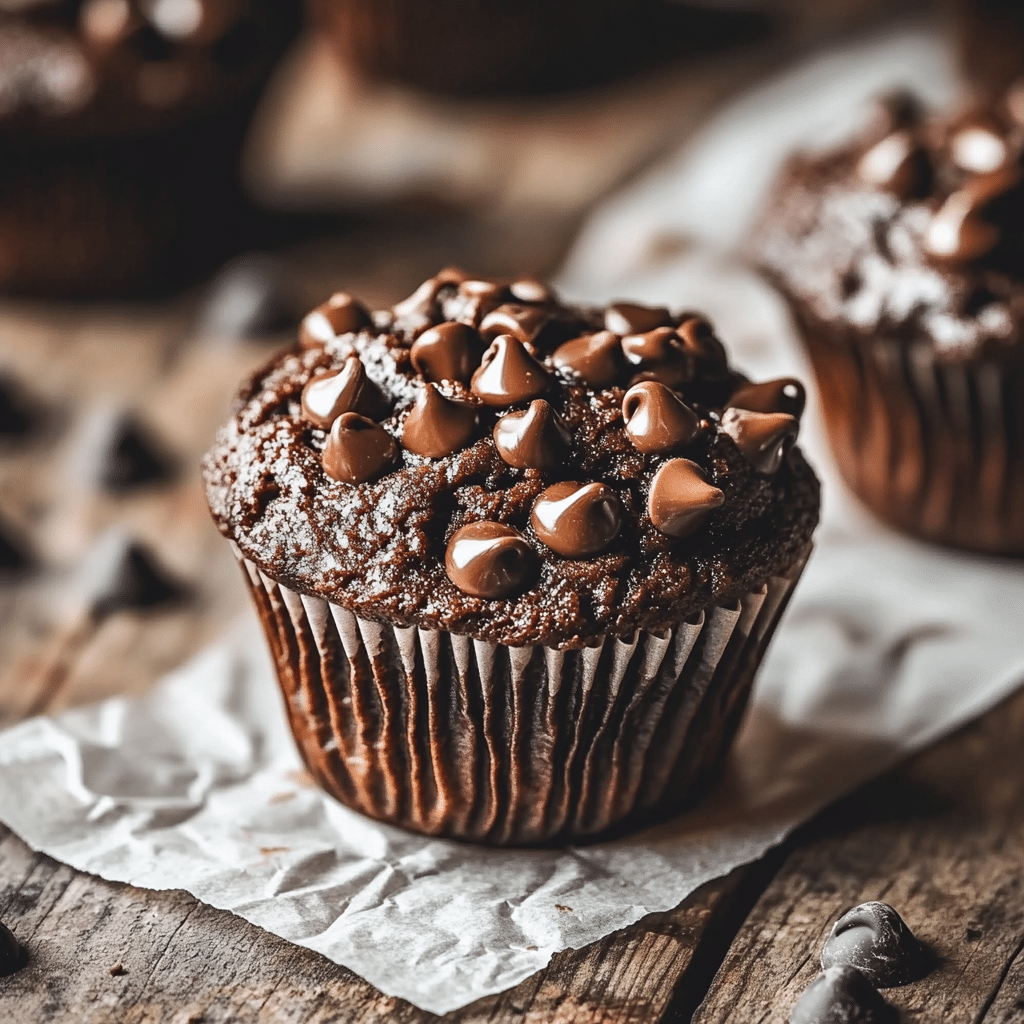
<point>379,547</point>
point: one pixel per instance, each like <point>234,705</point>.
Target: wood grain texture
<point>942,840</point>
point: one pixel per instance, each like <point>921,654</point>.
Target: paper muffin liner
<point>451,736</point>
<point>934,447</point>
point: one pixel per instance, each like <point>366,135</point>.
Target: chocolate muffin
<point>121,128</point>
<point>902,257</point>
<point>517,561</point>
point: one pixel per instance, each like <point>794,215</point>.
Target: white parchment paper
<point>887,645</point>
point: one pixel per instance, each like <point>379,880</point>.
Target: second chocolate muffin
<point>517,561</point>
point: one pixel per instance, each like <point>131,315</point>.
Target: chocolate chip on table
<point>874,938</point>
<point>841,995</point>
<point>489,560</point>
<point>577,520</point>
<point>657,420</point>
<point>130,578</point>
<point>534,439</point>
<point>437,426</point>
<point>681,499</point>
<point>763,438</point>
<point>12,955</point>
<point>357,449</point>
<point>134,458</point>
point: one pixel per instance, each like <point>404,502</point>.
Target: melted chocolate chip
<point>134,459</point>
<point>681,499</point>
<point>659,355</point>
<point>449,351</point>
<point>958,231</point>
<point>436,426</point>
<point>529,289</point>
<point>522,322</point>
<point>340,314</point>
<point>874,938</point>
<point>786,394</point>
<point>535,439</point>
<point>349,389</point>
<point>596,358</point>
<point>841,995</point>
<point>577,520</point>
<point>479,298</point>
<point>132,580</point>
<point>12,956</point>
<point>701,342</point>
<point>898,164</point>
<point>357,449</point>
<point>489,560</point>
<point>423,302</point>
<point>763,438</point>
<point>509,374</point>
<point>630,318</point>
<point>657,421</point>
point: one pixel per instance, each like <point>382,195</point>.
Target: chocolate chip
<point>15,412</point>
<point>357,449</point>
<point>700,341</point>
<point>786,394</point>
<point>958,231</point>
<point>127,577</point>
<point>577,520</point>
<point>898,164</point>
<point>522,322</point>
<point>596,358</point>
<point>657,420</point>
<point>134,458</point>
<point>534,439</point>
<point>874,938</point>
<point>422,304</point>
<point>326,396</point>
<point>340,314</point>
<point>489,560</point>
<point>479,298</point>
<point>509,374</point>
<point>681,499</point>
<point>436,426</point>
<point>529,289</point>
<point>841,995</point>
<point>449,351</point>
<point>763,438</point>
<point>12,956</point>
<point>659,355</point>
<point>631,318</point>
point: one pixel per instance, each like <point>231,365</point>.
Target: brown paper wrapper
<point>451,736</point>
<point>936,448</point>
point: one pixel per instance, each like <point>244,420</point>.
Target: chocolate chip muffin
<point>517,561</point>
<point>121,129</point>
<point>902,257</point>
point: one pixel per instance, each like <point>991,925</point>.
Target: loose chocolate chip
<point>357,449</point>
<point>528,289</point>
<point>326,396</point>
<point>12,956</point>
<point>763,438</point>
<point>958,231</point>
<point>874,938</point>
<point>522,322</point>
<point>657,421</point>
<point>630,318</point>
<point>134,459</point>
<point>131,579</point>
<point>596,358</point>
<point>700,341</point>
<point>681,499</point>
<point>534,439</point>
<point>489,560</point>
<point>15,412</point>
<point>577,520</point>
<point>436,426</point>
<point>841,995</point>
<point>786,394</point>
<point>898,164</point>
<point>659,355</point>
<point>449,351</point>
<point>509,374</point>
<point>340,314</point>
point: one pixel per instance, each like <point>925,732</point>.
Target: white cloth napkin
<point>887,645</point>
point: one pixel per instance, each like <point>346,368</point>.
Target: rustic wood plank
<point>942,841</point>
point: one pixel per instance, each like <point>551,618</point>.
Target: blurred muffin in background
<point>902,257</point>
<point>991,42</point>
<point>121,126</point>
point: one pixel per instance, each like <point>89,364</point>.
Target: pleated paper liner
<point>934,447</point>
<point>451,736</point>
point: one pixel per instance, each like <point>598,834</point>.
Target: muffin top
<point>488,460</point>
<point>914,230</point>
<point>119,66</point>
